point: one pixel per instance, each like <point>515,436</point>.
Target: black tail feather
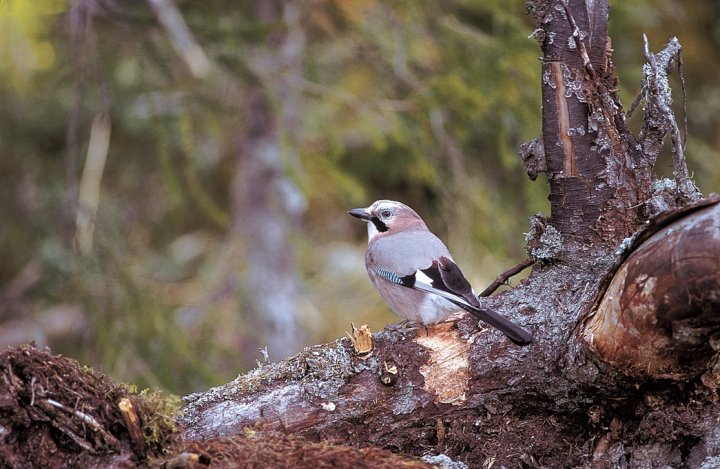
<point>515,333</point>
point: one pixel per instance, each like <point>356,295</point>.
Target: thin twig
<point>32,391</point>
<point>46,412</point>
<point>182,39</point>
<point>610,108</point>
<point>87,419</point>
<point>504,276</point>
<point>634,105</point>
<point>684,93</point>
<point>578,41</point>
<point>662,99</point>
<point>660,65</point>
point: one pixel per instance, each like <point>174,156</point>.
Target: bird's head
<point>387,217</point>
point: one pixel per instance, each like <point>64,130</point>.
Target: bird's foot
<point>404,326</point>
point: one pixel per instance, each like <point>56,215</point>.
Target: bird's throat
<point>375,227</point>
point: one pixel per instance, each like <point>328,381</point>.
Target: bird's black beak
<point>361,213</point>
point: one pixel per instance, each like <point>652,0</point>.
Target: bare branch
<point>89,190</point>
<point>578,41</point>
<point>504,276</point>
<point>182,39</point>
<point>684,93</point>
<point>660,118</point>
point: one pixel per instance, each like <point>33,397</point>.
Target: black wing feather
<point>455,281</point>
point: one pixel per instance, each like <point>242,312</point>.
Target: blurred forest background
<point>176,174</point>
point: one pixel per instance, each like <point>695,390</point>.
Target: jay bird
<point>414,272</point>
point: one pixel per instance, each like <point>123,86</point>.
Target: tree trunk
<point>623,301</point>
<point>267,207</point>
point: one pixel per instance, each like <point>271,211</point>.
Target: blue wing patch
<point>407,281</point>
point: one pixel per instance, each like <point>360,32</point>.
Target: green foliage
<point>425,102</point>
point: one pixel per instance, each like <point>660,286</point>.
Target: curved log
<point>661,311</point>
<point>330,387</point>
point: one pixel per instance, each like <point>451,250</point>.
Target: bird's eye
<point>386,214</point>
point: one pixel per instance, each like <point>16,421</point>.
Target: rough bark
<point>623,308</point>
<point>587,146</point>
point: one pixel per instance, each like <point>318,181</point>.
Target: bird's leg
<point>406,325</point>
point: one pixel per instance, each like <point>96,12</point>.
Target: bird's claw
<point>404,326</point>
